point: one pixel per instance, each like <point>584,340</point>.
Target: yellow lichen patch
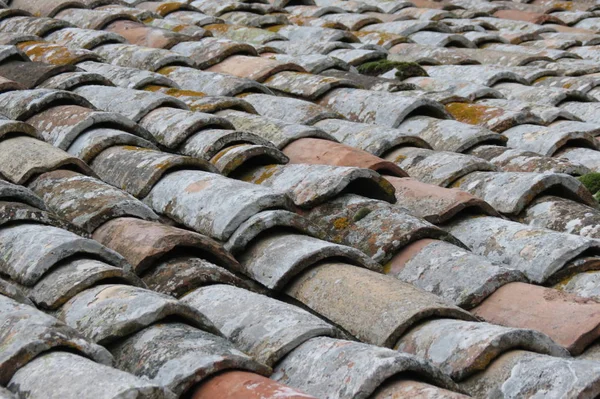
<point>166,8</point>
<point>134,148</point>
<point>387,268</point>
<point>275,28</point>
<point>179,28</point>
<point>47,52</point>
<point>224,151</point>
<point>473,114</point>
<point>541,79</point>
<point>174,92</point>
<point>482,362</point>
<point>148,20</point>
<point>269,171</point>
<point>382,37</point>
<point>341,223</point>
<point>166,70</point>
<point>218,28</point>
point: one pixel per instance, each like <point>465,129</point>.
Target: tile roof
<point>299,199</point>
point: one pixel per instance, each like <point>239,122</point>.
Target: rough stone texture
<point>147,36</point>
<point>232,160</point>
<point>436,204</point>
<point>93,141</point>
<point>108,312</point>
<point>243,385</point>
<point>276,131</point>
<point>17,212</point>
<point>324,152</point>
<point>370,82</point>
<point>12,192</point>
<point>30,250</point>
<point>263,327</point>
<point>177,276</point>
<point>32,25</point>
<point>523,305</point>
<point>45,8</point>
<point>290,109</point>
<point>542,255</point>
<point>74,276</point>
<point>462,348</point>
<point>28,332</point>
<point>331,368</point>
<point>208,143</point>
<point>13,292</point>
<point>511,192</point>
<point>371,138</point>
<point>375,227</point>
<point>257,68</point>
<point>133,104</point>
<point>177,356</point>
<point>83,38</point>
<point>564,215</point>
<point>430,55</point>
<point>243,34</point>
<point>446,135</point>
<point>136,170</point>
<point>520,373</point>
<point>23,157</point>
<point>548,140</point>
<point>450,272</point>
<point>212,83</point>
<point>586,156</point>
<point>211,51</point>
<point>441,168</point>
<point>551,96</point>
<point>171,127</point>
<point>60,375</point>
<point>458,88</point>
<point>129,78</point>
<point>63,124</point>
<point>57,54</point>
<point>497,115</point>
<point>400,388</point>
<point>203,201</point>
<point>313,63</point>
<point>145,58</point>
<point>143,243</point>
<point>265,220</point>
<point>583,284</point>
<point>30,74</point>
<point>275,258</point>
<point>70,80</point>
<point>9,127</point>
<point>310,185</point>
<point>386,109</point>
<point>85,201</point>
<point>91,19</point>
<point>23,104</point>
<point>377,309</point>
<point>510,160</point>
<point>408,27</point>
<point>305,86</point>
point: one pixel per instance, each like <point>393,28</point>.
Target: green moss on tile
<point>591,181</point>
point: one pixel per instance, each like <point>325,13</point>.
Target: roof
<point>332,199</point>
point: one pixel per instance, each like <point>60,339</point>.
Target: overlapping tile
<point>213,89</point>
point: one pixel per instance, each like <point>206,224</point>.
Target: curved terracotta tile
<point>244,385</point>
<point>571,321</point>
<point>318,151</point>
<point>436,204</point>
